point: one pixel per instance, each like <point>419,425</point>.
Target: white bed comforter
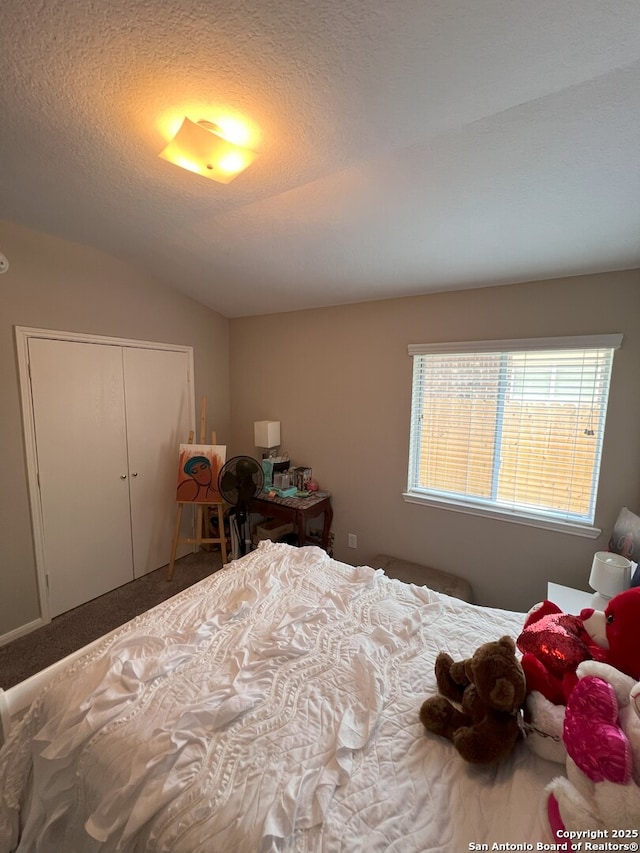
<point>271,707</point>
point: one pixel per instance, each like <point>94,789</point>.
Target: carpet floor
<point>70,631</point>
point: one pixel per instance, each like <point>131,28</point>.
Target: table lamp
<point>610,574</point>
<point>267,436</point>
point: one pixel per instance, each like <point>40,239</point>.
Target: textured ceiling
<point>405,145</point>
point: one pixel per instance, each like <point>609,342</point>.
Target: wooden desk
<point>297,510</point>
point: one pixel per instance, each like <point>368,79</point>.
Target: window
<point>511,428</point>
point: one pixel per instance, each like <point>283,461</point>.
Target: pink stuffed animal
<point>612,637</point>
<point>602,737</point>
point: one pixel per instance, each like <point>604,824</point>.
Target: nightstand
<point>569,600</point>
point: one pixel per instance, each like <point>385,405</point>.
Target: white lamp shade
<point>266,433</point>
<point>610,573</point>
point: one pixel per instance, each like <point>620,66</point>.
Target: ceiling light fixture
<point>201,148</point>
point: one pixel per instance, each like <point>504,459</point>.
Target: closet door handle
<point>134,473</point>
<point>123,476</point>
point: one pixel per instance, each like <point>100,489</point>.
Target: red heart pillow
<point>592,733</point>
<point>555,639</point>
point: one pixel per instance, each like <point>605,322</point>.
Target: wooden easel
<point>202,517</point>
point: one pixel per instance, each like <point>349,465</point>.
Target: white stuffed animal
<point>601,733</point>
<point>543,727</point>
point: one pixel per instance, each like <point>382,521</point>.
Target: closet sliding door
<point>158,408</point>
<point>79,418</point>
<point>103,422</point>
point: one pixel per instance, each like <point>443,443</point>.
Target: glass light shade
<point>610,573</point>
<point>200,148</point>
<point>266,433</point>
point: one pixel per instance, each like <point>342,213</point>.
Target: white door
<point>158,406</point>
<point>79,421</point>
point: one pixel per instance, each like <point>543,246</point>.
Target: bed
<point>270,707</point>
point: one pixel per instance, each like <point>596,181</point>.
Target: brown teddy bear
<point>491,688</point>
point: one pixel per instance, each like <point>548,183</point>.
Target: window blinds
<point>512,425</point>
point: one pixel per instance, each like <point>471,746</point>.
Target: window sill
<point>573,528</point>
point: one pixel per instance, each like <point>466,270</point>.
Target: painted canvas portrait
<point>198,469</point>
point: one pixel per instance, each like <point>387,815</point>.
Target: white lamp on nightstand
<point>610,574</point>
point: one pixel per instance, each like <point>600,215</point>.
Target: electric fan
<point>240,479</point>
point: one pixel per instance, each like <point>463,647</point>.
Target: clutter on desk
<point>283,481</point>
<point>302,477</point>
<point>289,492</point>
<point>273,466</point>
<point>293,478</point>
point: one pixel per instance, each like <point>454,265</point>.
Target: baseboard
<point>21,631</point>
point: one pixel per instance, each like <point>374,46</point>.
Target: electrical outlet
<point>352,540</point>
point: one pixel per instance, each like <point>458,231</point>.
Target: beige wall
<point>339,380</point>
<point>54,284</point>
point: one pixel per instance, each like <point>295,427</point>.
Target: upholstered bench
<point>424,576</point>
